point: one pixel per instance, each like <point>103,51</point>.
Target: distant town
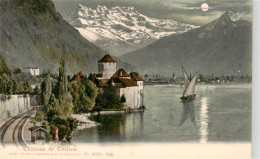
<point>209,79</point>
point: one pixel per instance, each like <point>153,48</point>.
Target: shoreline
<point>86,123</point>
<point>199,84</point>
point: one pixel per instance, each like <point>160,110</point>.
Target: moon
<point>204,7</point>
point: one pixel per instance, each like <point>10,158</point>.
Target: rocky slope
<point>33,34</point>
<point>220,47</point>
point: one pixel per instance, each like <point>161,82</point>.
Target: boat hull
<point>188,98</point>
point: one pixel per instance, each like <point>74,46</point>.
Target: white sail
<point>191,86</point>
<point>186,78</point>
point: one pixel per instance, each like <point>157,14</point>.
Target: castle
<point>129,85</point>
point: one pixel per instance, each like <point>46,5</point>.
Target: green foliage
<point>61,87</point>
<point>37,91</point>
<point>27,89</point>
<point>17,70</point>
<point>52,108</point>
<point>33,121</point>
<point>15,88</point>
<point>109,99</point>
<point>10,86</point>
<point>65,126</point>
<point>39,117</point>
<point>46,126</point>
<point>65,107</point>
<point>3,67</point>
<point>65,103</point>
<point>123,99</point>
<point>48,72</point>
<point>84,94</point>
<point>46,90</point>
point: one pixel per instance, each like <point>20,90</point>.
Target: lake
<point>220,113</point>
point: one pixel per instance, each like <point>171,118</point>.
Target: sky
<point>187,11</point>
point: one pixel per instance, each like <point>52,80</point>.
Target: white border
<point>256,79</point>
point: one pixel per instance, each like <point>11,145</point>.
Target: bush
<point>123,99</point>
<point>109,99</point>
<point>17,70</point>
<point>84,94</point>
<point>39,117</point>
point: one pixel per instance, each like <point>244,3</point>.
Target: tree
<point>17,70</point>
<point>123,99</point>
<point>65,107</point>
<point>65,103</point>
<point>52,108</point>
<point>9,88</point>
<point>46,90</point>
<point>65,126</point>
<point>61,87</point>
<point>3,67</point>
<point>39,117</point>
<point>84,94</point>
<point>27,88</point>
<point>109,99</point>
<point>15,87</point>
<point>37,90</point>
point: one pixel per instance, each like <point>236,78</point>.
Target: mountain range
<point>120,30</point>
<point>222,47</point>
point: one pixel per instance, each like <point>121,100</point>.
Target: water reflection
<point>188,112</point>
<point>168,120</point>
<point>118,127</point>
<point>204,119</point>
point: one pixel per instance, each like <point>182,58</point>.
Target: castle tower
<point>106,66</point>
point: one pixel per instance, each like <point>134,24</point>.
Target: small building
<point>38,134</point>
<point>32,71</point>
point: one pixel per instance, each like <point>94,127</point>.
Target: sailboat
<point>188,94</point>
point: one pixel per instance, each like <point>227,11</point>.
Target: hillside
<point>33,34</point>
<point>220,47</point>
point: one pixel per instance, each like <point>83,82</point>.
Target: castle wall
<point>130,94</point>
<point>140,93</point>
<point>11,105</point>
<point>107,69</point>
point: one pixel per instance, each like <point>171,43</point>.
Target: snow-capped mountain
<point>122,27</point>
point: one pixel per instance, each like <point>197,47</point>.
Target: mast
<point>191,86</point>
<point>186,77</point>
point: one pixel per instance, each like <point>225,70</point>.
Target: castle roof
<point>103,83</point>
<point>120,73</point>
<point>78,77</point>
<point>135,76</point>
<point>107,58</point>
<point>123,82</point>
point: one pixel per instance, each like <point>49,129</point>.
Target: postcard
<point>125,79</point>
